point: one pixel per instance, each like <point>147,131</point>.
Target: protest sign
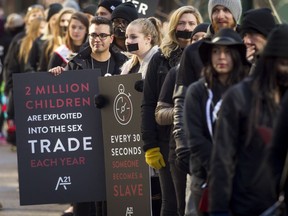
<point>59,137</point>
<point>127,174</point>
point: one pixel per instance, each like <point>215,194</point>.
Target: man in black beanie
<point>255,27</point>
<point>121,17</point>
<point>106,7</point>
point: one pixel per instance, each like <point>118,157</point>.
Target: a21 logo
<point>63,181</point>
<point>129,211</point>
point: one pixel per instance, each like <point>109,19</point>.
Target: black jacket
<point>241,180</point>
<point>164,111</point>
<point>197,121</point>
<point>280,147</point>
<point>83,61</point>
<point>152,133</point>
<point>34,55</point>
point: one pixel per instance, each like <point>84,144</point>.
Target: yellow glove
<point>154,158</point>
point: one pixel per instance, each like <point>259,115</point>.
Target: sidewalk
<point>9,194</point>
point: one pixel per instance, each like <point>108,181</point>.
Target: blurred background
<point>163,10</point>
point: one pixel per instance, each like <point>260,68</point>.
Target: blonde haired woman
<point>57,38</point>
<point>143,37</point>
<point>156,137</point>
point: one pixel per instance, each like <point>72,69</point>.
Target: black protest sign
<point>59,137</point>
<point>127,174</point>
<point>145,8</point>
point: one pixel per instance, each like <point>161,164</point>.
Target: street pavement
<point>9,192</point>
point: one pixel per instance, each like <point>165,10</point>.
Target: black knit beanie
<point>110,5</point>
<point>125,11</point>
<point>277,43</point>
<point>258,20</point>
<point>90,9</point>
<point>202,27</point>
<point>53,9</point>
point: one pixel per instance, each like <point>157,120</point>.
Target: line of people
<point>211,92</point>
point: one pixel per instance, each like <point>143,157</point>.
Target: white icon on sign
<point>129,211</point>
<point>123,108</point>
<point>63,181</point>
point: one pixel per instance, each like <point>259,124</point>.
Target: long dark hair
<point>264,85</point>
<point>238,73</point>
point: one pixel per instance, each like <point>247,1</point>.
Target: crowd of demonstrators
<point>240,172</point>
<point>156,137</point>
<point>211,92</point>
<point>223,14</point>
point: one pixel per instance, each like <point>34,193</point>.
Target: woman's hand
<point>56,70</point>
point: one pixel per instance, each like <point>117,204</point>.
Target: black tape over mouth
<point>184,34</point>
<point>132,47</point>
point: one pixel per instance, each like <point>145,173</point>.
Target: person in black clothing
<point>156,137</point>
<point>121,16</point>
<point>255,27</point>
<point>97,55</point>
<point>164,116</point>
<point>239,171</point>
<point>225,64</point>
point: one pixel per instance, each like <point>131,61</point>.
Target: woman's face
<point>187,22</point>
<point>134,35</point>
<point>77,31</point>
<point>221,59</point>
<point>64,22</point>
<point>34,15</point>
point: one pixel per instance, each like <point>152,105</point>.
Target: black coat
<point>280,147</point>
<point>241,180</point>
<point>196,121</point>
<point>83,61</point>
<point>152,133</point>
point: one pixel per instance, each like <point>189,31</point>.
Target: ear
<point>112,38</point>
<point>148,38</point>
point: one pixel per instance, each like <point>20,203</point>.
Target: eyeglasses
<point>35,6</point>
<point>102,36</point>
